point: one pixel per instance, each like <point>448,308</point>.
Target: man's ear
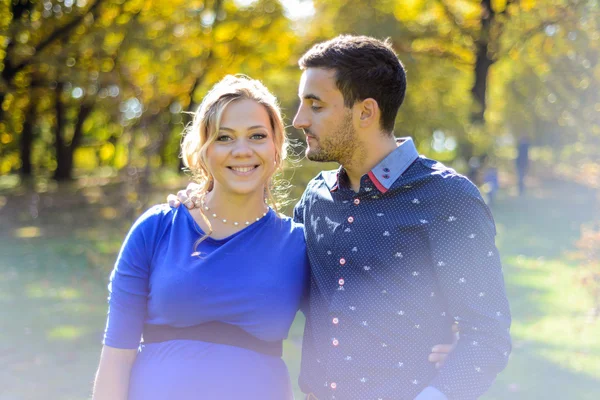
<point>368,112</point>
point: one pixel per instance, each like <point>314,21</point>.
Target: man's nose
<point>300,120</point>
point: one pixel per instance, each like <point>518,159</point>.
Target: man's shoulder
<point>437,173</point>
<point>327,178</point>
<point>288,225</point>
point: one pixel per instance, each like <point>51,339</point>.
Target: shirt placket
<point>336,320</point>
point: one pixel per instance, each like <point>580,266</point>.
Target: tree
<point>112,78</point>
<point>449,46</point>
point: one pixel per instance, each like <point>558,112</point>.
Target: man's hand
<point>188,197</point>
<point>440,352</point>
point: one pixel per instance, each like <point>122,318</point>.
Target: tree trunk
<point>61,172</point>
<point>208,61</point>
<point>64,151</point>
<point>483,62</point>
<point>479,89</point>
<point>26,142</point>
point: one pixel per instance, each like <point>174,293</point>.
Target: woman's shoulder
<point>155,216</point>
<point>157,212</point>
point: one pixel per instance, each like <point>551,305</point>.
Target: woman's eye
<point>223,138</point>
<point>258,136</point>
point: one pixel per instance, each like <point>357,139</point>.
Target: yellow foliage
<point>498,5</point>
<point>9,163</point>
<point>107,151</point>
<point>85,157</point>
<point>471,10</point>
<point>226,31</point>
<point>7,101</point>
<point>408,10</point>
<point>527,5</point>
<point>121,156</point>
<point>107,65</point>
<point>108,212</point>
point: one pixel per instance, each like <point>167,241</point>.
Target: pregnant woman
<point>212,290</point>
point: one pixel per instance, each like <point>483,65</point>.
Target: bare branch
<point>437,53</point>
<point>58,34</point>
<point>527,36</point>
<point>208,58</point>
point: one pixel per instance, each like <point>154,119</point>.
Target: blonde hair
<point>204,129</point>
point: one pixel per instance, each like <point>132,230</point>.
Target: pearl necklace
<point>224,220</point>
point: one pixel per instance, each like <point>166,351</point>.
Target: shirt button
<point>357,201</point>
<point>351,219</point>
<point>335,342</point>
<point>386,169</point>
<point>386,176</point>
<point>333,385</point>
<point>335,321</point>
<point>341,282</point>
<point>342,261</point>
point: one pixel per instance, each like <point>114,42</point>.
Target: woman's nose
<point>242,149</point>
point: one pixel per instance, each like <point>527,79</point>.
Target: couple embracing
<point>386,256</point>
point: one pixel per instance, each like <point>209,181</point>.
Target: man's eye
<point>315,107</point>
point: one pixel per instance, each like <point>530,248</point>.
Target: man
<point>400,247</point>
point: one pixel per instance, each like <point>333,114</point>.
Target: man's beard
<point>339,146</point>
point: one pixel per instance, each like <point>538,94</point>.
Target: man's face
<point>326,122</point>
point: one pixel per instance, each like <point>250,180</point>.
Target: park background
<point>94,96</point>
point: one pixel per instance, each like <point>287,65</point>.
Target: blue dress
<point>253,279</point>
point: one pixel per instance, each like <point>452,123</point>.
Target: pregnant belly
<point>194,370</point>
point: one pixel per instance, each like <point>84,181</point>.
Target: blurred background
<point>94,95</point>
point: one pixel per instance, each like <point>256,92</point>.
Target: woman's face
<point>242,157</point>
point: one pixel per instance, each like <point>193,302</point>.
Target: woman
<point>232,260</point>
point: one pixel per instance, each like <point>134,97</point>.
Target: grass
<point>53,272</point>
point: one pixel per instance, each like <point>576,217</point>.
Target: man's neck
<point>371,153</point>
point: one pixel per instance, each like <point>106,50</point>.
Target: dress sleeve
<point>469,273</point>
<point>128,287</point>
<point>299,219</point>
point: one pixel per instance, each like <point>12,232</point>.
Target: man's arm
<point>469,273</point>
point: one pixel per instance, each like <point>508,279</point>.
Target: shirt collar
<point>384,174</point>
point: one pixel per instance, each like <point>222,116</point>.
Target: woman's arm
<point>112,378</point>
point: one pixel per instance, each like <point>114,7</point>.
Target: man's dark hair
<point>364,68</point>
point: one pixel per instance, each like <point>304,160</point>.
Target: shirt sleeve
<point>128,287</point>
<point>469,272</point>
<point>299,211</point>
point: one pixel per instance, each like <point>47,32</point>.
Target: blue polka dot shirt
<point>393,267</point>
